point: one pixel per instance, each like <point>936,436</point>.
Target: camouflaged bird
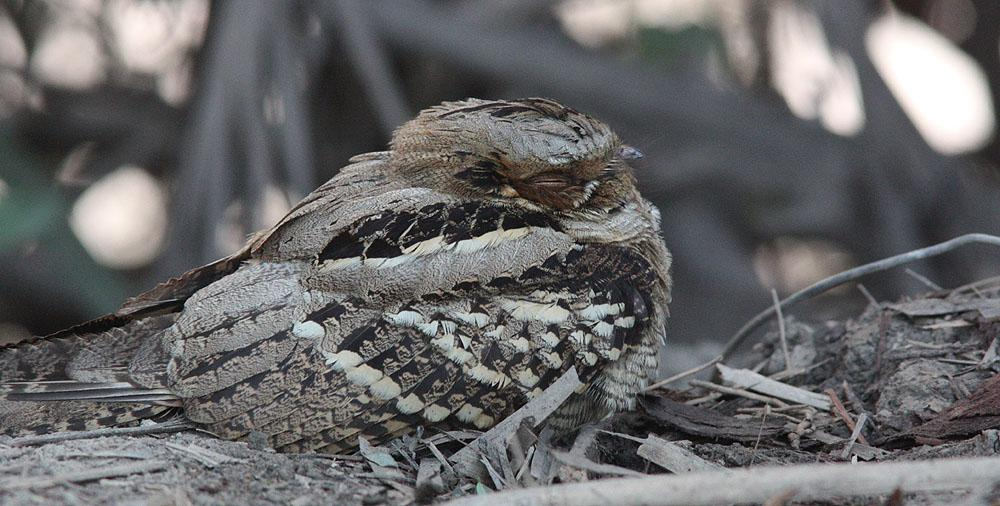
<point>444,282</point>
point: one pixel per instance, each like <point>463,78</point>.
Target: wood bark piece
<point>940,307</point>
<point>697,421</point>
<point>673,457</point>
<point>972,415</point>
<point>755,382</point>
<point>810,482</point>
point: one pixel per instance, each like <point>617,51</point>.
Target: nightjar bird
<point>444,282</point>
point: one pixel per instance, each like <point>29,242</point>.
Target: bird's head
<point>532,152</point>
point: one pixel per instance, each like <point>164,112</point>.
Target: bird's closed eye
<point>550,180</point>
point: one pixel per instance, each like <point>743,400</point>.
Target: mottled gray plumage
<point>446,281</point>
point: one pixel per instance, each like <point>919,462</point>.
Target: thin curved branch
<point>851,275</point>
<point>826,284</point>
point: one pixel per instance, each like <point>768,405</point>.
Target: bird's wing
<point>429,309</point>
<point>494,348</point>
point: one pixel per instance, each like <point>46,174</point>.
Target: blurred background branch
<point>786,139</point>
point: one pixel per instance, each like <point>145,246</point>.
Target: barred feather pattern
<point>389,298</point>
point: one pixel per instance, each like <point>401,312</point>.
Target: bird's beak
<point>629,153</point>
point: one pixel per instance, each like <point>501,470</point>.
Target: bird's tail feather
<point>103,373</point>
<point>82,391</point>
<point>31,418</point>
<point>79,379</point>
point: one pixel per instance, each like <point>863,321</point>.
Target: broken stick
<point>810,482</point>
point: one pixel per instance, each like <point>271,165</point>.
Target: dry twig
<point>143,430</point>
<point>868,295</point>
<point>756,485</point>
<point>739,392</point>
<point>85,475</point>
<point>683,374</point>
<point>781,329</point>
<point>838,407</point>
<point>673,457</point>
<point>923,279</point>
<point>585,464</point>
<point>762,384</point>
<point>855,435</point>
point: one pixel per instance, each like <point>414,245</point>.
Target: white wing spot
<point>458,356</point>
<point>550,339</point>
<point>433,245</point>
<point>363,375</point>
<point>599,311</point>
<point>308,330</point>
<point>486,375</point>
<point>626,322</point>
<point>495,333</point>
<point>396,261</point>
<point>611,353</point>
<point>435,413</point>
<point>445,342</point>
<point>429,328</point>
<point>480,320</point>
<point>385,389</point>
<point>409,404</point>
<point>603,329</point>
<point>520,345</point>
<point>490,239</point>
<point>468,413</point>
<point>527,378</point>
<point>405,318</point>
<point>527,311</point>
<point>426,247</point>
<point>448,326</point>
<point>343,360</point>
<point>581,338</point>
<point>552,359</point>
<point>484,421</point>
